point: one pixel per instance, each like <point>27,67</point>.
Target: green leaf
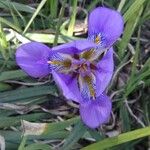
<point>57,126</point>
<point>37,146</point>
<point>61,14</point>
<point>53,8</point>
<point>13,121</point>
<point>49,38</point>
<point>4,87</point>
<point>20,94</point>
<point>92,5</point>
<point>128,31</point>
<point>15,136</point>
<point>72,19</point>
<point>12,75</point>
<point>21,7</point>
<point>34,15</point>
<point>74,136</point>
<point>96,135</point>
<point>22,144</point>
<point>135,77</point>
<point>8,23</point>
<point>3,44</point>
<point>132,9</point>
<point>120,139</point>
<point>122,3</point>
<point>124,116</point>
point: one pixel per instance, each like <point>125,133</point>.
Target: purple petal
<point>68,85</point>
<point>104,73</point>
<point>74,47</point>
<point>107,23</point>
<point>32,58</point>
<point>96,112</point>
<point>84,89</point>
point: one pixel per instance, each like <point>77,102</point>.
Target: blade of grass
<point>8,23</point>
<point>14,17</point>
<point>92,4</point>
<point>146,12</point>
<point>37,146</point>
<point>45,129</point>
<point>61,14</point>
<point>135,59</point>
<point>18,6</point>
<point>14,121</point>
<point>4,87</point>
<point>49,38</point>
<point>21,94</point>
<point>53,8</point>
<point>4,112</point>
<point>122,3</point>
<point>125,119</point>
<point>96,135</point>
<point>133,69</point>
<point>61,134</point>
<point>134,84</point>
<point>74,136</point>
<point>34,15</point>
<point>72,18</point>
<point>57,126</point>
<point>120,139</point>
<point>12,75</point>
<point>15,136</point>
<point>132,9</point>
<point>22,144</point>
<point>19,14</point>
<point>129,29</point>
<point>3,44</point>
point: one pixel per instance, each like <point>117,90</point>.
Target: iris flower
<point>82,69</point>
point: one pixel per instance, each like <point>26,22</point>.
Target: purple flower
<point>82,69</point>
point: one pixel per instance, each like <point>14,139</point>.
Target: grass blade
<point>53,8</point>
<point>59,23</point>
<point>129,29</point>
<point>8,23</point>
<point>14,121</point>
<point>37,146</point>
<point>72,19</point>
<point>120,139</point>
<point>21,94</point>
<point>132,9</point>
<point>74,136</point>
<point>49,38</point>
<point>12,75</point>
<point>121,5</point>
<point>18,6</point>
<point>34,15</point>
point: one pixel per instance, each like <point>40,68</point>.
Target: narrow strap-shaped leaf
<point>75,135</point>
<point>120,139</point>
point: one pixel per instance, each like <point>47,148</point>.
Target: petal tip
<point>96,113</point>
<point>32,59</point>
<point>107,22</point>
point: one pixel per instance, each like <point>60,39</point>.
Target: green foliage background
<point>55,22</point>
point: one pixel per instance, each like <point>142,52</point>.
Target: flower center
<point>81,67</point>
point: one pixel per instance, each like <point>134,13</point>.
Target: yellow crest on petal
<point>97,40</point>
